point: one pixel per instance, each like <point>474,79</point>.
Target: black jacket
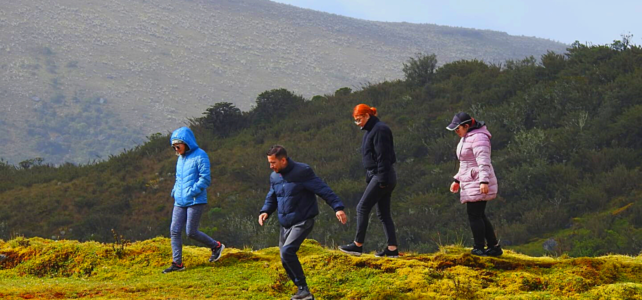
<point>292,192</point>
<point>378,149</point>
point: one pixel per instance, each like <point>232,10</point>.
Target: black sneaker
<point>351,249</point>
<point>388,253</point>
<point>303,293</point>
<point>175,267</point>
<point>217,252</point>
<point>494,251</point>
<point>478,252</point>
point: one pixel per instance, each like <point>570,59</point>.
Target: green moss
<point>46,269</point>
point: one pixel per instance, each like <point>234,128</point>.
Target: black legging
<point>483,231</point>
<point>374,195</point>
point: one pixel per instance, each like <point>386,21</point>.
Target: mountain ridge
<point>156,63</point>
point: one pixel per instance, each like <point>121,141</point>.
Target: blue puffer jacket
<point>293,191</point>
<point>192,171</point>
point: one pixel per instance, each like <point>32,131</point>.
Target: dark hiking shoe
<point>494,251</point>
<point>351,249</point>
<point>303,293</point>
<point>175,267</point>
<point>217,252</point>
<point>388,253</point>
<point>478,252</point>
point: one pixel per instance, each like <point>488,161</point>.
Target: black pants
<point>289,242</point>
<point>483,232</point>
<point>374,195</point>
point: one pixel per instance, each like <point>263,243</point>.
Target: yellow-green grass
<point>44,269</point>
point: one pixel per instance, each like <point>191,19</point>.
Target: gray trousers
<point>290,240</point>
<point>188,218</point>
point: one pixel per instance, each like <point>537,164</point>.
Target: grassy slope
<point>45,269</point>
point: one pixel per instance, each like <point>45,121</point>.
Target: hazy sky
<point>596,22</point>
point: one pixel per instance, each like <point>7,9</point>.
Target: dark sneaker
<point>478,252</point>
<point>388,253</point>
<point>175,267</point>
<point>217,252</point>
<point>494,251</point>
<point>303,293</point>
<point>351,249</point>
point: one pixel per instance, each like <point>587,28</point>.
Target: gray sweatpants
<point>289,242</point>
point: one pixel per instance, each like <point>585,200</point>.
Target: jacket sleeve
<point>313,183</point>
<point>270,202</point>
<point>204,175</point>
<point>384,149</point>
<point>481,150</point>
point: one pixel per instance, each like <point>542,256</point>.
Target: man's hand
<point>342,217</point>
<point>262,218</point>
<point>483,188</point>
<point>454,187</point>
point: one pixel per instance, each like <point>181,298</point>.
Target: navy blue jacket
<point>292,192</point>
<point>378,149</point>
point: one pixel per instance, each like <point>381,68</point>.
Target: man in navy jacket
<point>293,190</point>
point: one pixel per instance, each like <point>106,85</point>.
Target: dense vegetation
<point>566,150</point>
<point>43,269</point>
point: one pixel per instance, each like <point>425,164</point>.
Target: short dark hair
<point>278,151</point>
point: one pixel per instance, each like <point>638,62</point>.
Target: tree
<point>222,119</point>
<point>420,70</point>
<point>275,104</point>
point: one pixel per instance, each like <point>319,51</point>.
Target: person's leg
<point>194,214</point>
<point>383,212</point>
<point>179,217</point>
<point>292,238</point>
<point>282,237</point>
<point>475,212</point>
<point>371,196</point>
<point>491,238</point>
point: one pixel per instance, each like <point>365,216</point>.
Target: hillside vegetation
<point>566,151</point>
<point>149,65</point>
<point>44,269</point>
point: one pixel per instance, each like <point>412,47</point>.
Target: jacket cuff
<point>484,182</point>
<point>457,181</point>
<point>339,208</point>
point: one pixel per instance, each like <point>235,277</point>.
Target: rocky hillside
<point>144,66</point>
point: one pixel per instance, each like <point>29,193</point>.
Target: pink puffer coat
<point>475,166</point>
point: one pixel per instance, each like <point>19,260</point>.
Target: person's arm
<point>481,150</point>
<point>314,184</point>
<point>271,203</point>
<point>384,148</point>
<point>204,175</point>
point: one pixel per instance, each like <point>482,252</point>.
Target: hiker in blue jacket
<point>190,196</point>
<point>293,186</point>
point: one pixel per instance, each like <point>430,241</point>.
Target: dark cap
<point>458,119</point>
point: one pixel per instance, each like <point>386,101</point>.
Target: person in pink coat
<point>475,181</point>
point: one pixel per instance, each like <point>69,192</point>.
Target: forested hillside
<point>115,71</point>
<point>566,150</point>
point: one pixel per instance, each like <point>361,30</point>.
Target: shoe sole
<point>311,297</point>
<point>350,252</point>
<point>183,269</point>
<point>219,254</point>
<point>391,256</point>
